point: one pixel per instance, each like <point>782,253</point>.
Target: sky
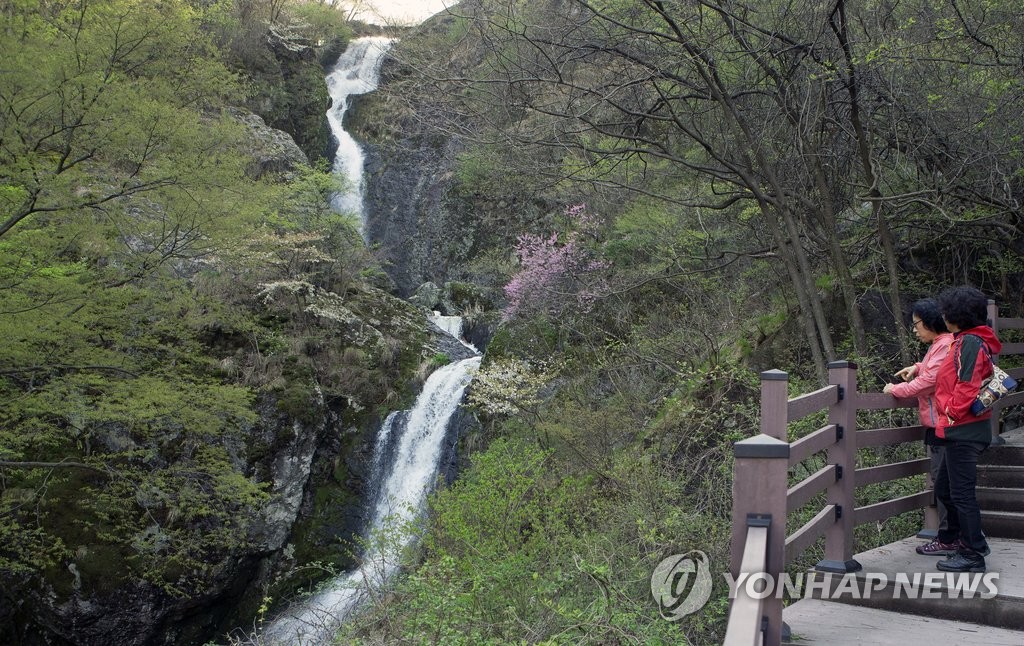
<point>407,11</point>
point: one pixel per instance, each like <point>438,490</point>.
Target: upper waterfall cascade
<point>356,72</point>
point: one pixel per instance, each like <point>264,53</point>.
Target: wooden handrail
<point>1012,348</point>
<point>889,436</point>
<point>802,406</point>
<point>889,508</point>
<point>881,401</point>
<point>759,481</point>
<point>812,530</point>
<point>1013,398</point>
<point>746,613</point>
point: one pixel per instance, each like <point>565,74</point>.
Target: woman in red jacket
<point>959,379</point>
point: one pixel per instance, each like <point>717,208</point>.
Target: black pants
<point>937,454</point>
<point>954,487</point>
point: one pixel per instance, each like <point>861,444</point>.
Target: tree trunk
<point>839,262</point>
<point>871,179</point>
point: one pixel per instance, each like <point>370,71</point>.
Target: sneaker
<point>965,561</point>
<point>965,546</point>
<point>938,548</point>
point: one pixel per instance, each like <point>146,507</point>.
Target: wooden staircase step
<point>813,621</point>
<point>1001,475</point>
<point>1001,499</point>
<point>1002,524</point>
<point>1002,454</point>
<point>1005,609</point>
<point>1012,452</point>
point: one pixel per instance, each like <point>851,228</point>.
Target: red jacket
<point>960,376</point>
<point>922,385</point>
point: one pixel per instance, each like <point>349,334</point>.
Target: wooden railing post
<point>839,537</point>
<point>931,512</point>
<point>759,488</point>
<point>993,321</point>
<point>775,404</point>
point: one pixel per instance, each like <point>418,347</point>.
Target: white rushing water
<point>453,326</point>
<point>406,465</point>
<point>356,72</point>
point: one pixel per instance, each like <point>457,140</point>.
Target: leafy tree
<point>555,276</point>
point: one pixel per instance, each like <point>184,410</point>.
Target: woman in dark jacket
<point>959,379</point>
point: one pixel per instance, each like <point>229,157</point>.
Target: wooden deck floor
<point>838,624</point>
<point>918,621</point>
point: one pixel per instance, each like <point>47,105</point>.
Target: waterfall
<point>410,444</point>
<point>356,72</point>
<point>405,466</point>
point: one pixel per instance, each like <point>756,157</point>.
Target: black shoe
<point>963,561</point>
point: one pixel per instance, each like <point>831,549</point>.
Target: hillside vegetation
<point>668,197</point>
<point>181,315</point>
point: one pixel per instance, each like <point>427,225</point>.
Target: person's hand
<point>887,389</point>
<point>906,374</point>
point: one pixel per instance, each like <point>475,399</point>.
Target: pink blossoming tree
<point>556,277</point>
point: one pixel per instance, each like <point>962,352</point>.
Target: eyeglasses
<point>914,324</point>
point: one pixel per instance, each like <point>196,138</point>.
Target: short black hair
<point>964,307</point>
<point>927,309</point>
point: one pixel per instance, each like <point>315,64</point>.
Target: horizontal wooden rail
<point>871,475</point>
<point>811,443</point>
<point>1012,348</point>
<point>1009,324</point>
<point>1011,399</point>
<point>810,532</point>
<point>882,510</point>
<point>798,495</point>
<point>802,406</point>
<point>745,614</point>
<point>889,436</point>
<point>881,401</point>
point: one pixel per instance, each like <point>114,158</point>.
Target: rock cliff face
<point>318,476</point>
<point>430,218</point>
<point>138,613</point>
<point>273,151</point>
<point>410,211</point>
<point>290,92</point>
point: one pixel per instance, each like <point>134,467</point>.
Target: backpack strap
<point>959,350</point>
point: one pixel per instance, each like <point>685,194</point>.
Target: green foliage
<point>138,262</point>
<point>552,533</point>
<point>319,23</point>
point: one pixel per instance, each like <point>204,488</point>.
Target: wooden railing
<point>1012,348</point>
<point>746,616</point>
<point>762,497</point>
